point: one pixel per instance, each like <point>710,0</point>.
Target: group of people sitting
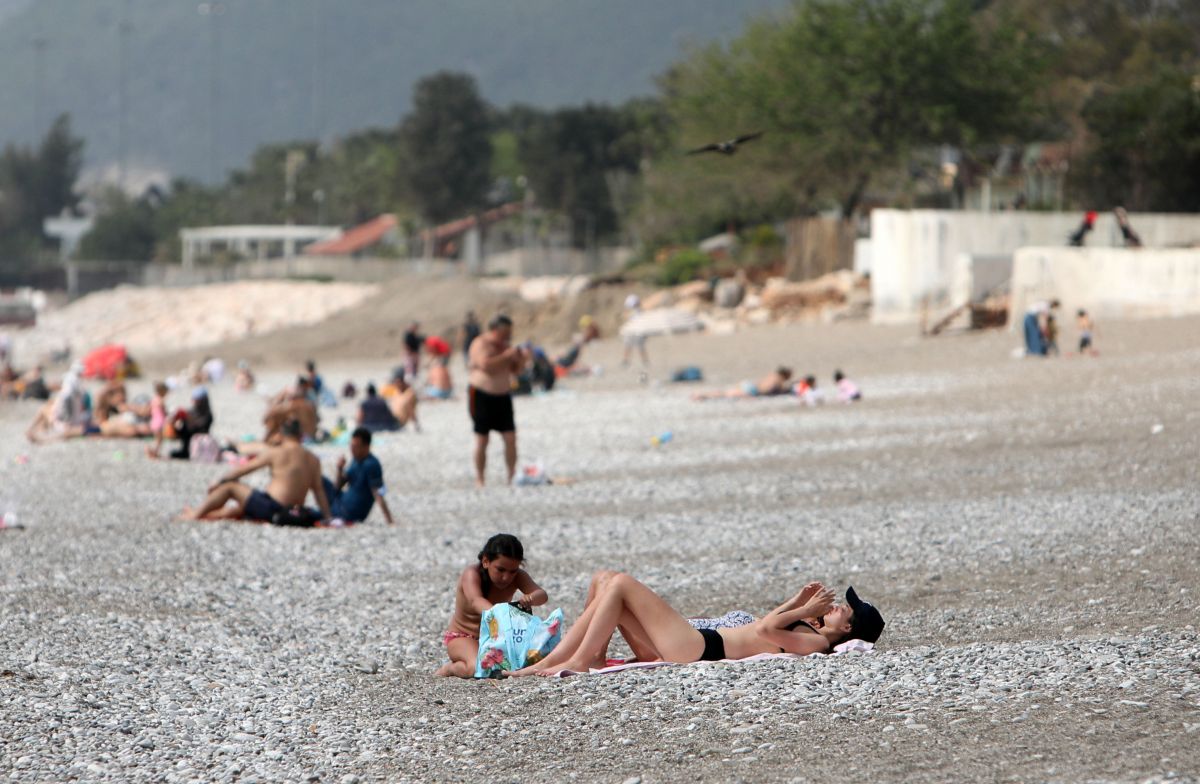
<point>779,382</point>
<point>812,621</point>
<point>30,385</point>
<point>72,412</point>
<point>295,472</point>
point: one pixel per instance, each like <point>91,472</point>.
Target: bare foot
<point>188,514</point>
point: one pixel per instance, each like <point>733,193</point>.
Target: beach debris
<point>662,438</point>
<point>1158,428</point>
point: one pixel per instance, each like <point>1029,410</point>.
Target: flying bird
<point>727,147</point>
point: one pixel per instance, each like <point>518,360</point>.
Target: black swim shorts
<point>260,506</point>
<point>490,412</point>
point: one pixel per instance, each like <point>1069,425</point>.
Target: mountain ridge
<point>295,69</point>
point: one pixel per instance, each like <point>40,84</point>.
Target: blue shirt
<point>363,477</point>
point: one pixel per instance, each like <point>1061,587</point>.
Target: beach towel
<point>850,646</point>
<point>510,639</point>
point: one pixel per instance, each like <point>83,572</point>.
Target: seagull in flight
<point>726,147</point>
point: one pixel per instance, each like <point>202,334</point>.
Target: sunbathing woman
<point>772,384</point>
<point>663,634</point>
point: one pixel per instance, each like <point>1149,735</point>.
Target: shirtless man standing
<point>492,363</point>
<point>294,472</point>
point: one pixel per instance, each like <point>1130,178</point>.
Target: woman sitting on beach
<point>662,634</point>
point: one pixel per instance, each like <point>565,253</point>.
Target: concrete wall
<point>1108,282</point>
<point>914,254</point>
<point>83,277</point>
<point>557,261</point>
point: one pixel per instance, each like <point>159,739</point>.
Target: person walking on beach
<point>634,341</point>
<point>470,331</point>
<point>413,340</point>
<point>493,363</point>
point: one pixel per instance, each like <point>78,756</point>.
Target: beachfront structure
<point>926,263</point>
<point>251,242</point>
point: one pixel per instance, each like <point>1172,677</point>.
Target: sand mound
<point>153,321</point>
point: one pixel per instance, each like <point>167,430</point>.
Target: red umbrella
<point>105,362</point>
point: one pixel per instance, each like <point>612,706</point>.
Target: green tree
<point>581,162</point>
<point>124,230</point>
<point>447,147</point>
<point>845,91</point>
<point>1145,151</point>
<point>36,184</point>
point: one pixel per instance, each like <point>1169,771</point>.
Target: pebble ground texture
<point>1028,528</point>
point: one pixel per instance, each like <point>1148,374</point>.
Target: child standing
<point>1051,335</point>
<point>1084,322</point>
<point>158,418</point>
<point>494,580</point>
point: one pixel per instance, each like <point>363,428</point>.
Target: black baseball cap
<point>866,623</point>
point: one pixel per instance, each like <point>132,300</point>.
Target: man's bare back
<point>294,472</point>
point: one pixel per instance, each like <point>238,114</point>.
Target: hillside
<point>290,69</point>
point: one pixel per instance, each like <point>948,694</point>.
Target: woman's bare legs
<point>635,636</point>
<point>625,599</point>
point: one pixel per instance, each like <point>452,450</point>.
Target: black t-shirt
<point>470,332</point>
<point>413,341</point>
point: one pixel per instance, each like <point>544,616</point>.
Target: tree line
<point>854,98</point>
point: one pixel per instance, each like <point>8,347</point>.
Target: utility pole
<point>124,28</point>
<point>39,55</point>
<point>317,78</point>
<point>212,11</point>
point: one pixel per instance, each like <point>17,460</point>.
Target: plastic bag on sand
<point>510,639</point>
<point>203,448</point>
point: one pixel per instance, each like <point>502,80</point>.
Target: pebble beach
<point>1028,528</point>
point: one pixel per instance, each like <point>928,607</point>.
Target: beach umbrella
<point>105,362</point>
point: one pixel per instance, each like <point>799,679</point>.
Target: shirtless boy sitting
<point>294,473</point>
<point>297,406</point>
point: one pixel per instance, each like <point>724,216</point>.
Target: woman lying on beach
<point>772,384</point>
<point>656,632</point>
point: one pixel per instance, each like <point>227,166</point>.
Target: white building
<point>251,242</point>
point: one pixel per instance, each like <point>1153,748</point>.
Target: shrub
<point>683,266</point>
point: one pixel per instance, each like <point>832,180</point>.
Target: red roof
<point>355,240</point>
<point>462,225</point>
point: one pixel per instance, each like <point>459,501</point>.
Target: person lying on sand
<point>495,579</point>
<point>662,634</point>
<point>642,648</point>
<point>775,383</point>
<point>294,473</point>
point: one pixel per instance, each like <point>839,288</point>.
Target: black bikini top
<point>792,627</point>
